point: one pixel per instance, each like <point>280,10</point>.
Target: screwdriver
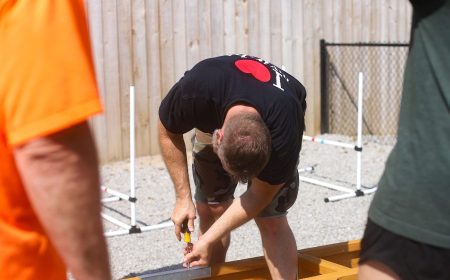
<point>187,237</point>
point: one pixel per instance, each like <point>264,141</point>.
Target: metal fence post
<point>324,121</point>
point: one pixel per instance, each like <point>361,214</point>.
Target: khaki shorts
<point>214,185</point>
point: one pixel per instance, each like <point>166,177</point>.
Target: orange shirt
<point>47,84</point>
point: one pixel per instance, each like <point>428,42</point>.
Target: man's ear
<point>219,135</point>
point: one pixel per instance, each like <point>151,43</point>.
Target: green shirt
<point>413,198</point>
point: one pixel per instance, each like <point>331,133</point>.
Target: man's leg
<point>280,248</point>
<point>208,214</point>
<point>214,190</point>
<point>373,270</point>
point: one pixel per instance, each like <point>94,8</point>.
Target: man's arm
<point>243,209</point>
<point>60,174</point>
<point>173,150</point>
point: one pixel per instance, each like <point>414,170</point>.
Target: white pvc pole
<point>157,226</point>
<point>132,155</point>
<point>359,139</point>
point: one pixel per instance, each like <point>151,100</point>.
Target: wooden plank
<point>125,71</point>
<point>297,69</point>
<point>316,36</point>
<point>155,92</point>
<point>140,78</point>
<point>338,18</point>
<point>204,29</point>
<point>348,259</point>
<point>317,265</point>
<point>408,19</point>
<point>241,27</point>
<point>393,20</point>
<point>286,34</point>
<point>179,39</point>
<point>229,27</point>
<point>112,85</point>
<point>253,27</point>
<point>308,45</point>
<point>402,26</point>
<point>264,30</point>
<point>352,273</point>
<point>166,44</point>
<point>98,123</point>
<point>365,20</point>
<point>275,33</point>
<point>357,21</point>
<point>327,20</point>
<point>217,28</point>
<point>333,249</point>
<point>192,33</point>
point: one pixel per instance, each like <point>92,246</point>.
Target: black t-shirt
<point>201,98</point>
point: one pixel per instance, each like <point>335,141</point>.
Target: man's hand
<point>184,210</point>
<point>200,254</point>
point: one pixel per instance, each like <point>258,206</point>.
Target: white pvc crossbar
<point>324,184</point>
<point>328,142</point>
<point>111,199</point>
<point>116,195</point>
<point>357,147</point>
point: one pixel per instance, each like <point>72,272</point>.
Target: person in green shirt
<point>408,230</point>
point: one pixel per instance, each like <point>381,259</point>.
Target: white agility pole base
<point>347,192</point>
<point>132,227</point>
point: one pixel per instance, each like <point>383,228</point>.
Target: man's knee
<point>211,211</point>
<point>272,226</point>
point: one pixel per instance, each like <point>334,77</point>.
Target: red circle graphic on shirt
<point>255,68</point>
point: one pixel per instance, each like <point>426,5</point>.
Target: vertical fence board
<point>275,32</point>
<point>112,85</point>
<point>124,27</point>
<point>155,91</point>
<point>192,33</point>
<point>229,26</point>
<point>286,34</point>
<point>140,77</point>
<point>217,28</point>
<point>309,67</point>
<point>264,29</point>
<point>297,69</point>
<point>179,39</point>
<point>166,44</point>
<point>253,23</point>
<point>204,29</point>
<point>98,123</point>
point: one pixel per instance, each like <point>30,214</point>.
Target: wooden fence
<point>150,43</point>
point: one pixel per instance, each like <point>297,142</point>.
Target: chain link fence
<point>383,67</point>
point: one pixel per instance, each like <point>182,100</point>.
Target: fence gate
<point>383,66</point>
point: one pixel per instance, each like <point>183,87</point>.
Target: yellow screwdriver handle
<point>187,233</point>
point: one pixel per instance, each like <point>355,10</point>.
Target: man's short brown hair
<point>246,146</point>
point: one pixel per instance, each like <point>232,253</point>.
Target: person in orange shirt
<point>49,181</point>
